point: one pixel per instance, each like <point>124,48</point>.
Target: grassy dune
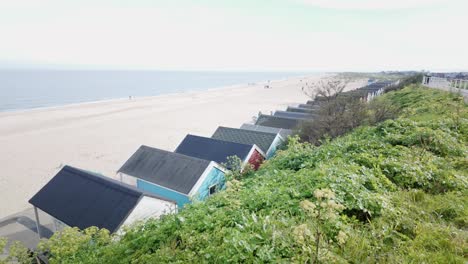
<point>391,193</point>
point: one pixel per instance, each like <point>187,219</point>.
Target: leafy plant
<point>17,252</point>
<point>325,212</point>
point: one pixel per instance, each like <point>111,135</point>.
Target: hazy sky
<point>318,35</point>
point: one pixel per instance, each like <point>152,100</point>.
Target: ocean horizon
<point>30,89</point>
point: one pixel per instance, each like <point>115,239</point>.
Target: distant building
<point>266,141</point>
<point>82,199</point>
<point>220,150</point>
<point>171,175</point>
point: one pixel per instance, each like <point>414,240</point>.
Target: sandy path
<point>101,136</point>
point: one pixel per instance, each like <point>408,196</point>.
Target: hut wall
<point>130,180</point>
<point>274,146</point>
<point>256,159</point>
<point>149,207</point>
<point>169,194</point>
<point>216,177</point>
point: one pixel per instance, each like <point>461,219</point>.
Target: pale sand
<point>101,136</point>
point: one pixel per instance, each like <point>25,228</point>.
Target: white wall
<point>149,207</point>
<point>130,180</point>
<point>51,222</point>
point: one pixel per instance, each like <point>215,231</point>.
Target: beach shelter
<point>267,142</point>
<point>78,198</point>
<point>172,175</point>
<point>219,150</point>
<point>285,133</point>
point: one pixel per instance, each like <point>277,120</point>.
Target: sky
<point>247,35</point>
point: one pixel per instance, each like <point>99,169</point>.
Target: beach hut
<point>171,175</point>
<point>219,150</point>
<point>78,198</point>
<point>267,142</point>
<point>373,90</point>
<point>278,122</point>
<point>284,133</point>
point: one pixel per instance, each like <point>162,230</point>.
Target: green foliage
<point>71,245</point>
<point>3,243</point>
<point>17,253</point>
<point>395,192</point>
<point>314,237</point>
<point>406,81</point>
<point>236,169</point>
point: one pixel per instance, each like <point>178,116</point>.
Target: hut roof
<point>262,139</point>
<point>283,132</point>
<point>311,105</point>
<point>212,149</point>
<point>171,170</point>
<point>295,115</point>
<point>84,199</point>
<point>303,109</point>
<point>275,121</point>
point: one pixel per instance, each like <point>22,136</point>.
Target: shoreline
<point>110,100</point>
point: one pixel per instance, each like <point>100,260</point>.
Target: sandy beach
<point>100,136</point>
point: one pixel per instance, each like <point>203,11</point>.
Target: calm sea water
<point>26,89</point>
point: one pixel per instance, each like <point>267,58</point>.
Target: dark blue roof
<point>212,149</point>
<point>84,199</point>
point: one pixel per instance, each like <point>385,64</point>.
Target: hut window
<point>212,189</point>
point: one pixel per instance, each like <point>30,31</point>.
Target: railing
<point>437,82</point>
<point>460,84</point>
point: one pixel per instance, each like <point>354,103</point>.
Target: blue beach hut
<point>172,175</point>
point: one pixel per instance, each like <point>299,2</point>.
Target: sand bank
<point>100,136</point>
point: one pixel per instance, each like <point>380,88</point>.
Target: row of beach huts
<point>154,182</point>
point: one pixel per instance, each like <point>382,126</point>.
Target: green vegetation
<point>395,192</point>
<point>17,252</point>
<point>340,112</point>
<point>378,75</point>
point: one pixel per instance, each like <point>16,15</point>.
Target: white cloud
<point>21,4</point>
<point>372,4</point>
<point>216,38</point>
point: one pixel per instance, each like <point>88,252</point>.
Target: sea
<point>22,89</point>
